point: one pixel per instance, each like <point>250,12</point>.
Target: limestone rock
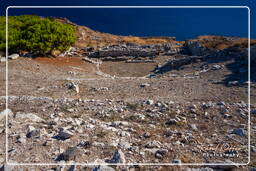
<point>28,116</point>
<point>3,114</point>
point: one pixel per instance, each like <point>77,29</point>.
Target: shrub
<point>36,34</point>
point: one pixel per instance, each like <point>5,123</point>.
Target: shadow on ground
<point>238,67</point>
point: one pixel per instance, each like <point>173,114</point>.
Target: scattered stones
<point>233,83</point>
<point>100,89</point>
<point>123,134</point>
<point>227,116</point>
<point>153,144</point>
<point>193,127</point>
<point>32,132</point>
<point>118,157</point>
<point>229,165</point>
<point>144,85</point>
<point>21,138</point>
<point>103,168</point>
<point>72,73</point>
<point>63,135</point>
<point>146,135</point>
<point>125,145</point>
<point>208,105</point>
<point>73,86</point>
<point>119,123</point>
<point>176,161</point>
<point>171,122</point>
<point>158,104</point>
<point>29,116</point>
<point>223,110</point>
<point>161,153</point>
<point>72,168</point>
<point>216,67</point>
<point>150,102</point>
<point>193,109</point>
<point>70,110</point>
<point>221,103</point>
<point>69,154</point>
<point>242,114</point>
<point>48,142</point>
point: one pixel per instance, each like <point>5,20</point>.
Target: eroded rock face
<point>195,48</point>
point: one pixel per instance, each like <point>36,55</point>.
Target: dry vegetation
<point>90,38</point>
<point>221,42</point>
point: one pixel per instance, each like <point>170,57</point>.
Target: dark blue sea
<point>182,23</point>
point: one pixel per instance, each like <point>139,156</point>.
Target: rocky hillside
<point>87,37</point>
<point>120,100</point>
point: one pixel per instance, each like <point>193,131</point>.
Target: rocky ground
<point>66,109</point>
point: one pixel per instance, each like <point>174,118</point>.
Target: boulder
<point>118,157</point>
<point>69,154</point>
<point>3,114</point>
<point>29,117</point>
<point>14,56</point>
<point>73,86</point>
<point>63,135</point>
<point>239,131</point>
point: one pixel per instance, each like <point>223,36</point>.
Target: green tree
<point>36,34</point>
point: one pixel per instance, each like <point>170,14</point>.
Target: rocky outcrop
<point>123,50</point>
<point>177,62</point>
<point>195,48</point>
